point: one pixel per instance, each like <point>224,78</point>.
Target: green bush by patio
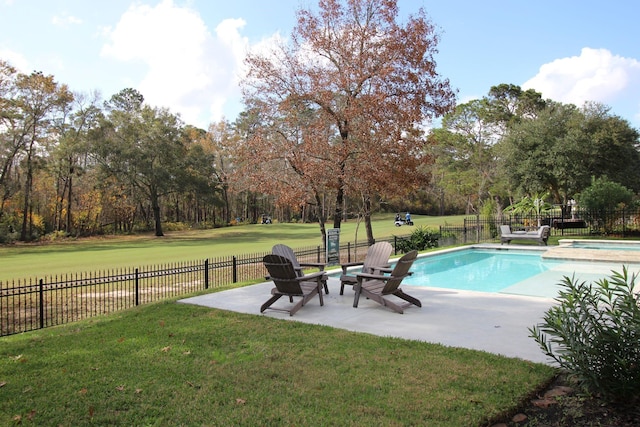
<point>593,335</point>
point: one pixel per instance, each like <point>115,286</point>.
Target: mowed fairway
<point>95,254</point>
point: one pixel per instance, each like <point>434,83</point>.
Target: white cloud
<point>16,60</point>
<point>595,75</point>
<point>65,20</point>
<point>189,70</point>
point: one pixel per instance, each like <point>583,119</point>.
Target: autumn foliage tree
<point>342,104</point>
<point>40,100</point>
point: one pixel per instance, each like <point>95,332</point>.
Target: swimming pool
<point>478,269</point>
<point>501,270</point>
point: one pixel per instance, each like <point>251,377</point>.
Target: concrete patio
<point>491,322</point>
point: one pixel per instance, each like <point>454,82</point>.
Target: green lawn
<point>95,254</point>
<point>177,364</point>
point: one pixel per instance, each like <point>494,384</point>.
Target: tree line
<point>73,165</point>
<point>512,144</point>
<point>337,125</point>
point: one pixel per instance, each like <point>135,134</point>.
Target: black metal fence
<point>564,222</point>
<point>37,303</point>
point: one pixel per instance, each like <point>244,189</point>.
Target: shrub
<point>420,239</point>
<point>603,195</point>
<point>594,334</point>
<point>175,226</point>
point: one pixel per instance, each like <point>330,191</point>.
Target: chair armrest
<point>312,276</point>
<point>350,264</point>
<point>389,270</point>
<point>319,265</point>
<point>372,276</point>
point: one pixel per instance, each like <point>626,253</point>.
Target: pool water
<point>479,270</point>
<point>606,246</point>
<point>523,272</point>
<point>507,271</point>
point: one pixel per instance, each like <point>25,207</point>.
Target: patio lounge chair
<point>541,235</point>
<point>287,252</point>
<point>288,283</point>
<point>380,288</point>
<point>377,258</point>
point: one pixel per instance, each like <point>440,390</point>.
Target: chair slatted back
<point>283,274</point>
<point>287,252</point>
<point>377,256</point>
<point>400,271</point>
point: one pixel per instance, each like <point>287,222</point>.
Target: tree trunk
<point>321,217</point>
<point>69,223</point>
<point>155,206</point>
<point>227,207</point>
<point>337,216</point>
<point>27,194</point>
<point>367,220</point>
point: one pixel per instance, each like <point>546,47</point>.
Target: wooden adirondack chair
<point>376,259</point>
<point>287,252</point>
<point>379,287</point>
<point>288,283</point>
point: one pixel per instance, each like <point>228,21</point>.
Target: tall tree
<point>368,83</point>
<point>535,157</point>
<point>68,156</point>
<point>609,146</point>
<point>564,147</point>
<point>12,133</point>
<point>508,104</point>
<point>39,99</point>
<point>464,153</point>
<point>142,147</point>
<point>221,142</point>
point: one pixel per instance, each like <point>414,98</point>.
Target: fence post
<point>235,269</point>
<point>206,273</point>
<point>348,251</point>
<point>318,254</point>
<point>137,288</point>
<point>464,231</point>
<point>41,291</point>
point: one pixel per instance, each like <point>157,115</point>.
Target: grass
<point>175,364</point>
<point>96,254</point>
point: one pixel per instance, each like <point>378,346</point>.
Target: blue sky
<point>187,54</point>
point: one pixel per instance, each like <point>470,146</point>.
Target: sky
<point>186,55</point>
